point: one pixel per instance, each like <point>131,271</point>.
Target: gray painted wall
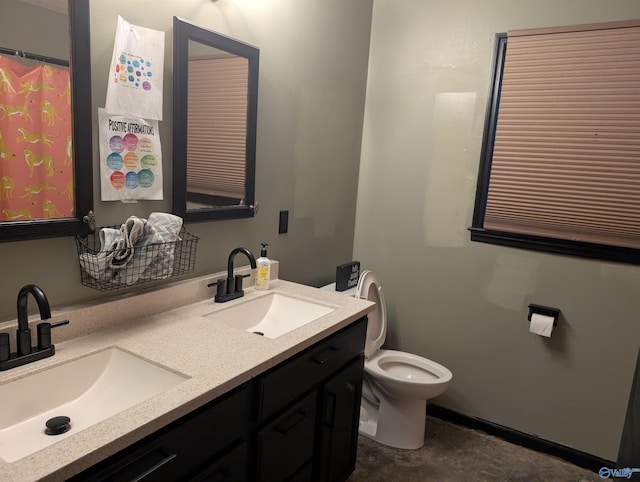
<point>313,70</point>
<point>14,35</point>
<point>464,304</point>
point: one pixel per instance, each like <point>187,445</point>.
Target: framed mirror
<point>46,170</point>
<point>215,100</point>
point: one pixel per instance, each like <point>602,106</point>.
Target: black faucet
<point>25,353</point>
<point>23,335</point>
<point>231,288</point>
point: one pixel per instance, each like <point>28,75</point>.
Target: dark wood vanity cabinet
<point>297,421</point>
<point>189,447</point>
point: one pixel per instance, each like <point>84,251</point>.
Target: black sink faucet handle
<point>238,282</point>
<point>5,347</point>
<point>222,286</point>
<point>44,333</point>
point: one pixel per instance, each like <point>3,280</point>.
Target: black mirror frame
<point>82,140</point>
<point>183,31</point>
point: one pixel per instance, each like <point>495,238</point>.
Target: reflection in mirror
<point>217,127</point>
<point>40,145</point>
<point>216,79</point>
<point>35,137</point>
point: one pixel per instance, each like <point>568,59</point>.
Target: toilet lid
<point>369,289</point>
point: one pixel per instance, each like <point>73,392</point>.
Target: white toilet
<point>396,385</point>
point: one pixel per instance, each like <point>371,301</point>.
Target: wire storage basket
<point>111,269</point>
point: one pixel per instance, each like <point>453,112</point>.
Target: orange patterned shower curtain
<point>36,168</point>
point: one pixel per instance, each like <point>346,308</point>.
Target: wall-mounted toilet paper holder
<point>544,310</point>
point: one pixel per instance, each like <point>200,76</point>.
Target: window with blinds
<point>217,126</point>
<point>560,168</point>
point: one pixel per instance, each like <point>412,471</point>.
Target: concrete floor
<point>454,453</point>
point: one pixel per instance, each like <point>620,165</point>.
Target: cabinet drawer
<point>293,378</point>
<point>184,447</point>
<point>285,446</point>
<point>230,467</point>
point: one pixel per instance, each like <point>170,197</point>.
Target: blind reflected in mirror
<point>216,127</point>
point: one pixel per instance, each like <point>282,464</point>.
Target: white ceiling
<point>56,5</point>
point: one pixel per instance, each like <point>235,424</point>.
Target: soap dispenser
<point>263,271</point>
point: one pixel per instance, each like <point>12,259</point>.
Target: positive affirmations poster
<point>130,158</point>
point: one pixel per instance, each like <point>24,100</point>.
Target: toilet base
<point>397,423</point>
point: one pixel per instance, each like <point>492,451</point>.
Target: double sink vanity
<point>168,385</point>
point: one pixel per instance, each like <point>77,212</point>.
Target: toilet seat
<point>394,366</point>
<point>369,289</point>
<point>406,367</point>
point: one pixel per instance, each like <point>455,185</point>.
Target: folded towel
<point>139,250</point>
<point>97,265</point>
<point>168,227</point>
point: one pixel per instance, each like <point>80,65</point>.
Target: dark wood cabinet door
<point>338,423</point>
<point>285,446</point>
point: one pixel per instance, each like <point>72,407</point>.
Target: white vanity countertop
<point>216,359</point>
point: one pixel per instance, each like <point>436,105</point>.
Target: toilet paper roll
<point>541,324</point>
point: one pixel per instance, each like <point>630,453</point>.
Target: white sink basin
<point>87,390</point>
<point>272,315</point>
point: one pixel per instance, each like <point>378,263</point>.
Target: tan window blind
<point>217,126</point>
<point>566,155</point>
